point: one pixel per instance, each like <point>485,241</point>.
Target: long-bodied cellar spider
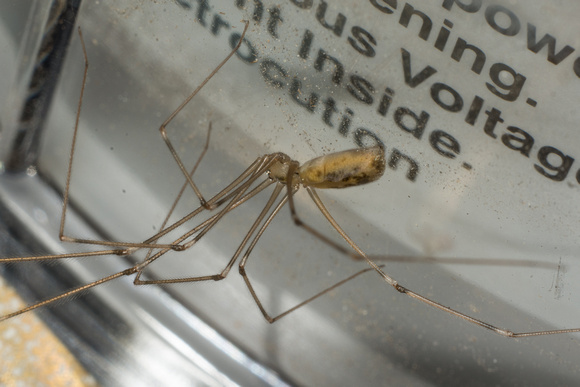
<point>337,170</point>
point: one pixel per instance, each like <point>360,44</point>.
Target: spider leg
<point>243,262</point>
<point>163,127</point>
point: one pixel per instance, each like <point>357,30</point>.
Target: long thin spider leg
<point>235,195</point>
<point>204,227</point>
<point>243,273</point>
<point>343,234</point>
<point>74,140</point>
<point>66,195</point>
<point>150,243</point>
<point>257,169</point>
<point>130,250</point>
<point>263,164</point>
<point>236,199</point>
<point>205,224</point>
<point>300,305</point>
<point>182,189</point>
<point>417,296</point>
<point>281,204</point>
<point>69,293</point>
<point>69,255</point>
<point>136,269</point>
<point>258,165</point>
<point>471,261</point>
<point>254,171</point>
<point>263,185</point>
<point>321,236</point>
<point>493,328</point>
<point>208,223</point>
<point>184,186</point>
<point>163,131</point>
<point>223,274</point>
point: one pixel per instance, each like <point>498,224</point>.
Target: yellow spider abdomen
<point>344,169</point>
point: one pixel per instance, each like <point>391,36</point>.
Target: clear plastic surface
<point>475,103</point>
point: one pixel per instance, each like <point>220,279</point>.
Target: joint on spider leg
<point>163,132</point>
<point>208,206</point>
<point>508,334</point>
<point>130,271</point>
<point>177,247</point>
<point>137,279</point>
<point>242,270</point>
<point>121,252</point>
<point>399,288</point>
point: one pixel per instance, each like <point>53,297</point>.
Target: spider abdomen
<point>344,169</point>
